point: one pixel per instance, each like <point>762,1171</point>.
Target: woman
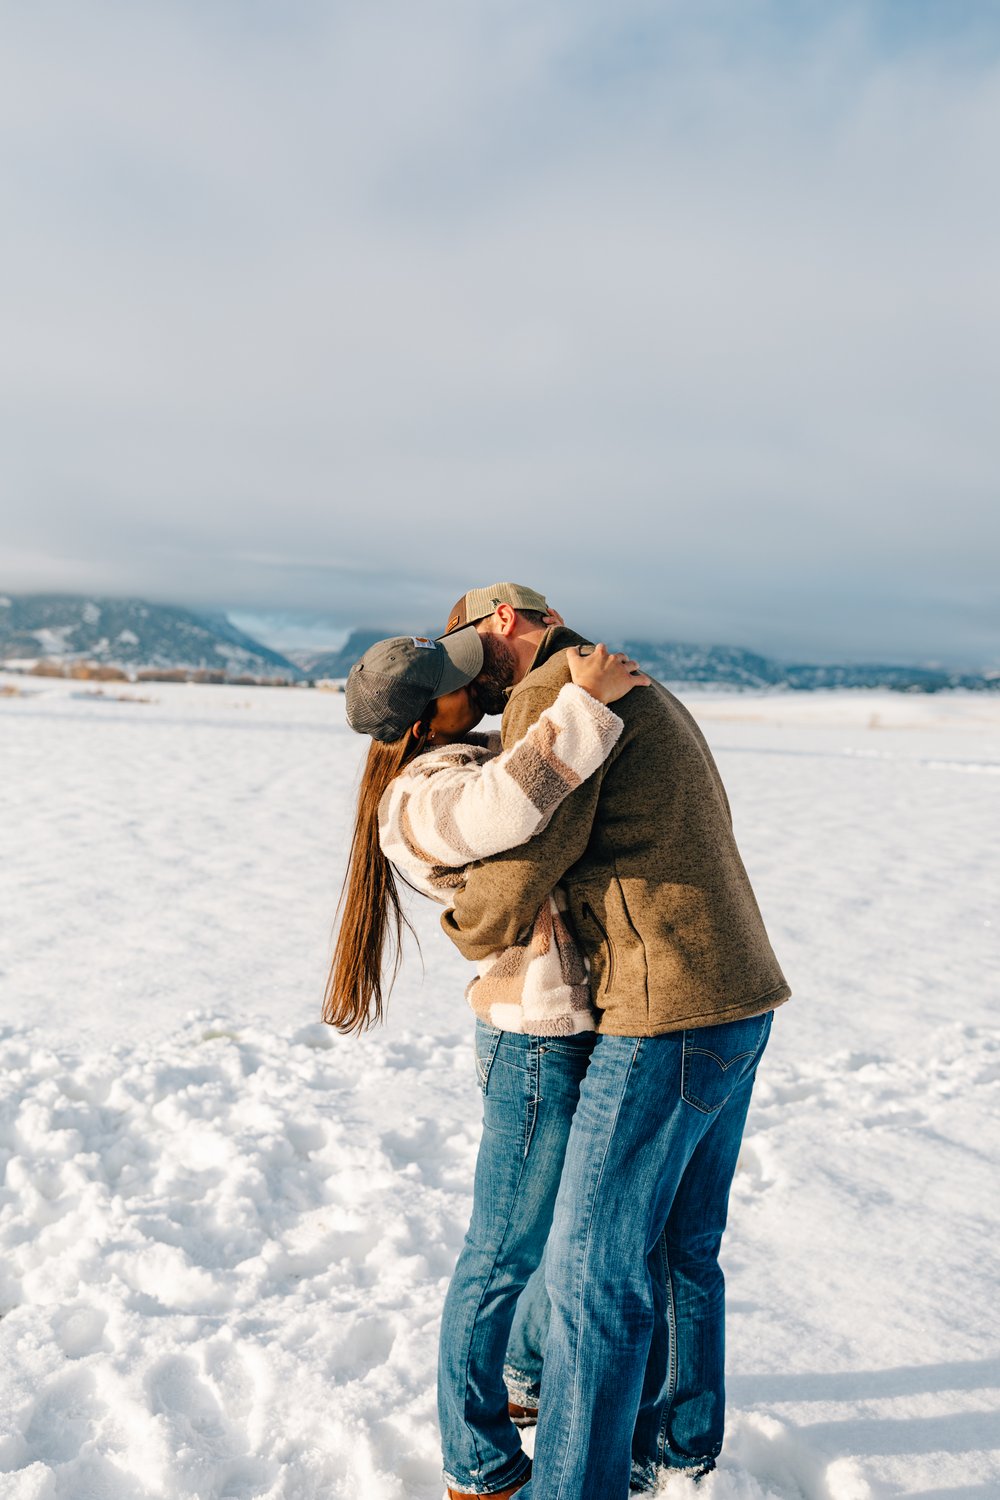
<point>431,801</point>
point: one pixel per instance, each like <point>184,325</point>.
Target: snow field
<point>225,1269</point>
<point>225,1232</point>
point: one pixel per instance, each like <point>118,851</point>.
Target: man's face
<point>499,672</point>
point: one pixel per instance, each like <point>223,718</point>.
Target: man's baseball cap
<point>389,689</point>
<point>478,603</point>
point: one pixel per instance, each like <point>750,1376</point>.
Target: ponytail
<point>369,908</point>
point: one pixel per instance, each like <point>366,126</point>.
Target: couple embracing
<point>623,996</point>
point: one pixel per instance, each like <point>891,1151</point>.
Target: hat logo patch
<point>422,642</point>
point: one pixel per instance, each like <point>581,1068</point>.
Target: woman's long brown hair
<point>369,908</point>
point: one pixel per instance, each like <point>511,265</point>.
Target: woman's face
<point>454,715</point>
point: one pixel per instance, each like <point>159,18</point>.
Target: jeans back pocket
<point>487,1041</point>
<point>717,1059</point>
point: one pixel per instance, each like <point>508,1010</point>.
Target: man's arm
<point>502,895</point>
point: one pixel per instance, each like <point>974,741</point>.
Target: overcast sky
<point>684,311</point>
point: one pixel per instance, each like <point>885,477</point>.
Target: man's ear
<point>506,617</point>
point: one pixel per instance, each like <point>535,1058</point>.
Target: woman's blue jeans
<point>530,1087</point>
<point>522,1370</point>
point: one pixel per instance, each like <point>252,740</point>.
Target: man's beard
<point>499,672</point>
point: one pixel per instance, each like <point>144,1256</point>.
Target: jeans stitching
<point>531,1103</point>
<point>687,1052</point>
<point>725,1066</point>
<point>484,1065</point>
<point>672,1366</point>
<point>453,1482</point>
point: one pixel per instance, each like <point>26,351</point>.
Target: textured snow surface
<point>225,1232</point>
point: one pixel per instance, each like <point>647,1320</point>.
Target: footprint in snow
<point>895,1117</point>
<point>245,1479</point>
<point>66,1416</point>
<point>772,1462</point>
<point>752,1169</point>
<point>178,1393</point>
<point>79,1330</point>
<point>307,1136</point>
<point>209,1438</point>
<point>301,1261</point>
<point>796,1091</point>
<point>412,1052</point>
<point>232,1377</point>
<point>430,1148</point>
<point>855,1061</point>
<point>363,1347</point>
<point>315,1035</point>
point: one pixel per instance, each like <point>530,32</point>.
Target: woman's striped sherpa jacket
<point>451,807</point>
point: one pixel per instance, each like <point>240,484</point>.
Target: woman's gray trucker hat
<point>389,689</point>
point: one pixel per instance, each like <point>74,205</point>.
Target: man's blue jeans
<point>647,1171</point>
<point>522,1371</point>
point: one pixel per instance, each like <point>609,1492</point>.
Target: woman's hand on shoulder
<point>605,675</point>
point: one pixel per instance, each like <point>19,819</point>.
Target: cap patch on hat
<point>423,642</point>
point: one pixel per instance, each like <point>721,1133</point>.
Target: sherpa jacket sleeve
<point>501,897</point>
<point>467,812</point>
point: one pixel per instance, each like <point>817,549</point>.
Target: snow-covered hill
<point>130,632</point>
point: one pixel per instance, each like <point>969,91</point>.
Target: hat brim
<point>463,651</point>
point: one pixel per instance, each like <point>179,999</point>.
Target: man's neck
<point>526,645</point>
<point>555,638</point>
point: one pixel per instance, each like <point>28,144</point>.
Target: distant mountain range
<point>130,633</point>
<point>729,666</point>
<point>135,634</point>
<point>724,666</point>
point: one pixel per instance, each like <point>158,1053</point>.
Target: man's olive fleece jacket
<point>658,894</point>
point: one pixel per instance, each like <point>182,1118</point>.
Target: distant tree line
<point>91,671</point>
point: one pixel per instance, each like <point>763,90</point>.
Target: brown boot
<point>522,1416</point>
<point>495,1495</point>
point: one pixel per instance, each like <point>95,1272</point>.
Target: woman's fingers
<point>606,675</point>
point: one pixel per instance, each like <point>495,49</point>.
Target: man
<point>685,982</point>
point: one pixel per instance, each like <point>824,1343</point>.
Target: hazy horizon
<point>284,631</point>
<point>309,630</point>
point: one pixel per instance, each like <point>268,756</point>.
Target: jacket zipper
<point>588,911</point>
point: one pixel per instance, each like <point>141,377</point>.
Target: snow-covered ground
<point>225,1232</point>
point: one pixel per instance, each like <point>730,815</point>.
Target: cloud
<point>686,312</point>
